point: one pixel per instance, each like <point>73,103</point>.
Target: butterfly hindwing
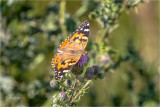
<point>60,57</point>
<point>62,67</point>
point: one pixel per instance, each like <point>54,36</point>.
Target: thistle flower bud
<point>89,73</point>
<point>77,70</point>
<point>96,69</point>
<point>62,96</point>
<point>82,60</point>
<point>101,75</point>
<point>53,83</point>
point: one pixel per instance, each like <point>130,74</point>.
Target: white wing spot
<point>86,30</point>
<point>59,51</point>
<point>71,64</point>
<point>65,70</point>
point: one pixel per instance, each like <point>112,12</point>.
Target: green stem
<point>73,88</point>
<point>62,89</point>
<point>62,19</point>
<point>62,85</point>
<point>80,91</point>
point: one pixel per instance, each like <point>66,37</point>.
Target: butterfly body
<point>70,51</point>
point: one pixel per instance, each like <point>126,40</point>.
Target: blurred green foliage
<point>31,31</point>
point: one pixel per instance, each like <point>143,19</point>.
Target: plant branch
<point>79,93</point>
<point>75,83</point>
<point>73,88</point>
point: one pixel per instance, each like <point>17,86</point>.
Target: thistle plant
<point>108,14</point>
<point>76,83</point>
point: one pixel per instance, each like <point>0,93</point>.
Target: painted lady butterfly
<point>70,51</point>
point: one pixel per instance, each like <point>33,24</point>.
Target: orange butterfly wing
<point>77,40</point>
<point>62,67</point>
<point>60,57</point>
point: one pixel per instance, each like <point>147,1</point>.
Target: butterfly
<point>70,51</point>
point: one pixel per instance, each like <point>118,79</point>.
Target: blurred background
<point>31,31</point>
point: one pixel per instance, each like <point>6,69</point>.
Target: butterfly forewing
<point>78,39</point>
